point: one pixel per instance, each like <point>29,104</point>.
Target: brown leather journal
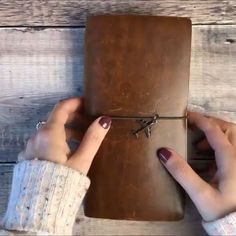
<point>137,72</point>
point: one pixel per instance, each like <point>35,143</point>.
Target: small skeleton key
<point>145,126</point>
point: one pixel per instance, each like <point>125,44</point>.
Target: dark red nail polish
<point>163,154</point>
<point>105,122</point>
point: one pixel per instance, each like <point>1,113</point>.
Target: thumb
<point>205,198</point>
<point>82,159</point>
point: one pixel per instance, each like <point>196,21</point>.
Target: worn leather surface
<point>136,66</point>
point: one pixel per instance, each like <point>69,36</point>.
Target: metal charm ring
<point>40,124</point>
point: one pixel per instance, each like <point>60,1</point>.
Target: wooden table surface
<point>41,62</point>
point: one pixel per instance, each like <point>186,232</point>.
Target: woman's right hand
<point>217,198</point>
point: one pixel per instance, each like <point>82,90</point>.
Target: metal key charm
<point>146,125</point>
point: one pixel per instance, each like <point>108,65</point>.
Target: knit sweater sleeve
<point>222,226</point>
<point>44,198</point>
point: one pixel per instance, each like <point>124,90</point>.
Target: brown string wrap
<point>146,122</point>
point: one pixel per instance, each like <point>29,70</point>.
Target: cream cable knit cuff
<point>45,197</point>
<point>222,226</point>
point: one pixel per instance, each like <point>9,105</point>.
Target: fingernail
<point>105,122</point>
<point>163,154</point>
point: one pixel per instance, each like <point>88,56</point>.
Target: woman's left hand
<point>50,141</point>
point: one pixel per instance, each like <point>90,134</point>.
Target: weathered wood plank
<point>74,12</point>
<point>38,68</point>
<point>190,225</point>
<point>213,71</point>
<point>41,66</point>
<point>212,88</point>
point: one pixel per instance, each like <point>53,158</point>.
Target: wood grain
<point>190,225</point>
<point>41,66</point>
<point>74,12</point>
<point>213,71</point>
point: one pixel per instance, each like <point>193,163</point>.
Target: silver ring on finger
<point>40,124</point>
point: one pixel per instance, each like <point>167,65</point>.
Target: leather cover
<point>136,66</point>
